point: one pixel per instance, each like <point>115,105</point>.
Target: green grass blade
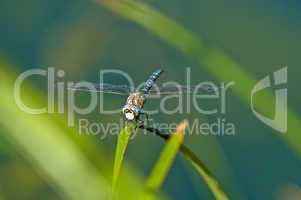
<point>204,172</point>
<point>215,61</point>
<point>166,158</point>
<point>62,154</point>
<point>40,139</point>
<point>200,167</point>
<point>122,142</point>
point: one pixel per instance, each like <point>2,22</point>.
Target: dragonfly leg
<point>139,122</point>
<point>146,117</point>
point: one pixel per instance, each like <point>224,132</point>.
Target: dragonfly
<point>133,108</point>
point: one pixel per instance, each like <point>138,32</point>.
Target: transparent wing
<point>105,88</point>
<point>181,89</point>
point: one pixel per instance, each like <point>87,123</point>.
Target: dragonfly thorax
<point>133,106</point>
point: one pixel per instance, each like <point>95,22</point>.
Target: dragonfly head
<point>130,112</point>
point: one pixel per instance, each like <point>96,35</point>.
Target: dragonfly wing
<point>104,88</point>
<point>182,89</point>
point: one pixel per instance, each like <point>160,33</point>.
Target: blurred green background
<point>42,158</point>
